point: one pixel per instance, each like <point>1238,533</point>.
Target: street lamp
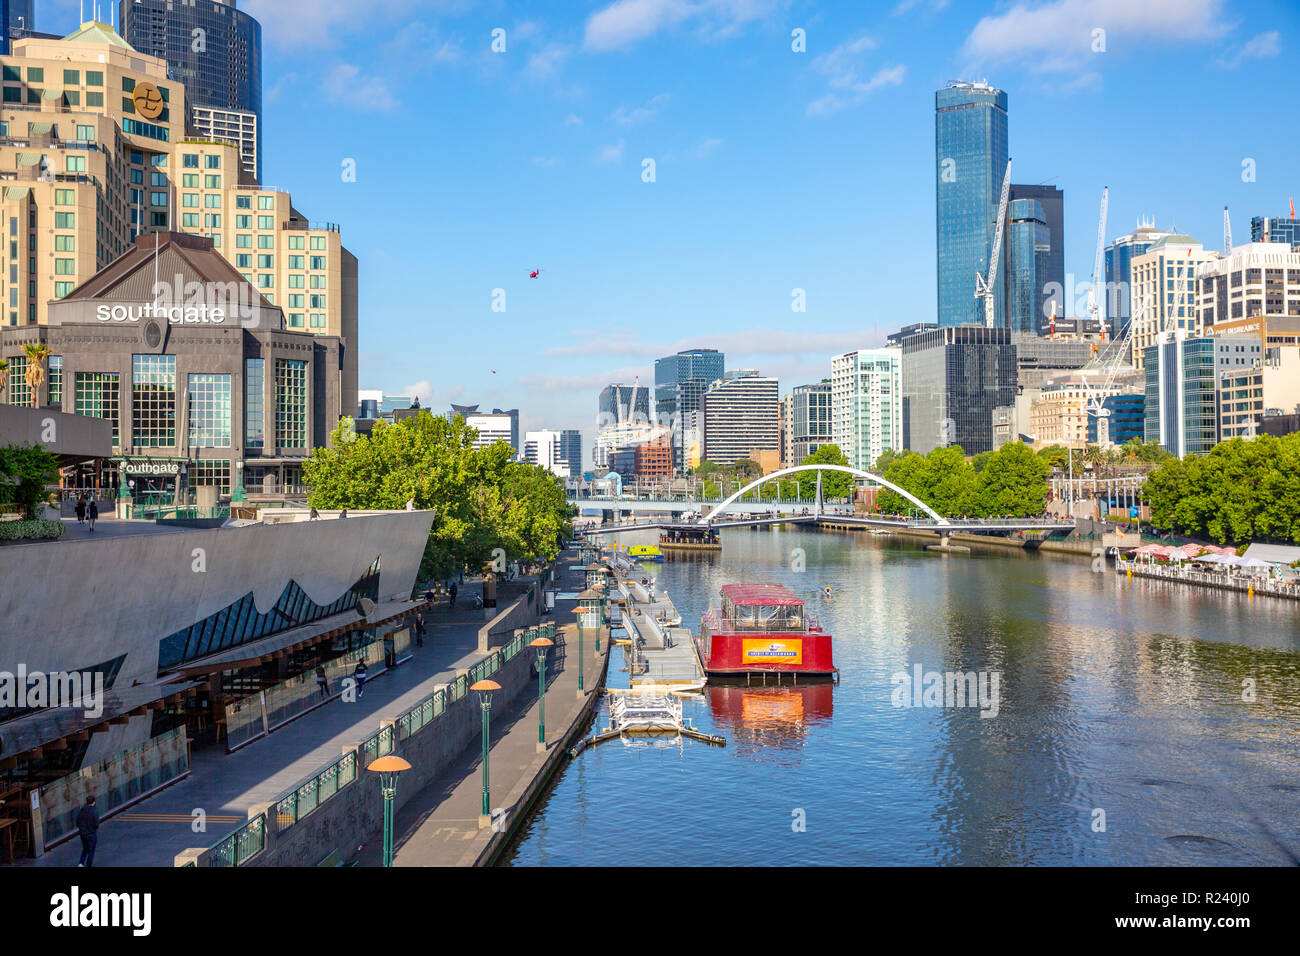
<point>540,645</point>
<point>485,689</point>
<point>388,768</point>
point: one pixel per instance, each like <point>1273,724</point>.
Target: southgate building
<point>199,374</point>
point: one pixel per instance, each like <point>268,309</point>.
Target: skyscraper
<point>811,422</point>
<point>680,380</point>
<point>624,403</point>
<point>1117,304</point>
<point>1051,279</point>
<point>571,449</point>
<point>1279,229</point>
<point>1028,260</point>
<point>867,404</point>
<point>952,380</point>
<point>970,154</point>
<point>19,15</point>
<point>215,50</point>
<point>738,416</point>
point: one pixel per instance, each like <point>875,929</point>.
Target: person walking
<point>390,651</point>
<point>81,509</point>
<point>323,682</point>
<point>359,672</point>
<point>88,830</point>
<point>453,591</point>
<point>419,630</point>
<point>93,513</point>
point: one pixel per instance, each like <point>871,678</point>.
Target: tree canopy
<point>1011,481</point>
<point>481,499</point>
<point>26,472</point>
<point>835,484</point>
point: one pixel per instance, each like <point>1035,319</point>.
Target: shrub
<point>31,530</point>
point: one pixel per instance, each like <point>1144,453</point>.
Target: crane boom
<point>1227,232</point>
<point>1094,307</point>
<point>984,285</point>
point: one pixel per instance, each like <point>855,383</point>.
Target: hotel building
<point>738,414</point>
<point>866,399</point>
<point>94,151</point>
<point>1182,384</point>
<point>1164,291</point>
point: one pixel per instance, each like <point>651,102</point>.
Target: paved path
<point>439,826</point>
<point>225,785</point>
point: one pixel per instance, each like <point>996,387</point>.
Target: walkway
<point>225,785</point>
<point>439,825</point>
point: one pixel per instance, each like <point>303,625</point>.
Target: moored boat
<point>761,630</point>
<point>645,552</point>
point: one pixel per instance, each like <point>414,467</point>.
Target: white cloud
<point>611,154</point>
<point>627,22</point>
<point>1259,47</point>
<point>346,84</point>
<point>431,397</point>
<point>703,150</point>
<point>632,115</point>
<point>853,90</point>
<point>1060,36</point>
<point>545,62</point>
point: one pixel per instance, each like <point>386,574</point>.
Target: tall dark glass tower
<point>680,380</point>
<point>1028,251</point>
<point>1051,282</point>
<point>970,155</point>
<point>216,51</point>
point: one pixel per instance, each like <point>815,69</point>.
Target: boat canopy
<point>774,594</point>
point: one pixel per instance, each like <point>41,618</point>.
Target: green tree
<point>980,460</point>
<point>1056,456</point>
<point>835,484</point>
<point>705,468</point>
<point>1013,481</point>
<point>943,479</point>
<point>26,473</point>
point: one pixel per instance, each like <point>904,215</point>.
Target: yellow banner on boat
<point>765,650</point>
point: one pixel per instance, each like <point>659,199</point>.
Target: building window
<point>212,182</point>
<point>65,220</point>
<point>212,161</point>
<point>265,202</point>
<point>63,288</point>
<point>86,134</point>
<point>243,261</point>
<point>296,281</point>
<point>76,164</point>
<point>96,394</point>
<point>158,199</point>
<point>296,262</point>
<point>56,379</point>
<point>206,472</point>
<point>212,220</point>
<point>290,403</point>
<point>243,222</point>
<point>295,242</point>
<point>266,262</point>
<point>153,400</point>
<point>190,220</point>
<point>266,281</point>
<point>318,282</point>
<point>190,180</point>
<point>94,78</point>
<point>95,99</point>
<point>209,402</point>
<point>190,200</point>
<point>318,262</point>
<point>318,242</point>
<point>190,160</point>
<point>297,300</point>
<point>295,319</point>
<point>243,240</point>
<point>212,200</point>
<point>20,393</point>
<point>65,267</point>
<point>253,406</point>
<point>35,74</point>
<point>318,320</point>
<point>244,202</point>
<point>64,197</point>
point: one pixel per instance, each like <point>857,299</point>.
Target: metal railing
<point>1231,580</point>
<point>242,845</point>
<point>306,797</point>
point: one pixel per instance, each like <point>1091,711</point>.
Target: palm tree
<point>36,353</point>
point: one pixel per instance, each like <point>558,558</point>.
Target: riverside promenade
<point>224,786</point>
<point>439,826</point>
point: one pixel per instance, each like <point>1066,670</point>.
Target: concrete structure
<point>1051,272</point>
<point>1117,303</point>
<point>1059,414</point>
<point>74,438</point>
<point>952,379</point>
<point>738,414</point>
<point>216,51</point>
<point>1254,289</point>
<point>1182,378</point>
<point>1268,390</point>
<point>812,420</point>
<point>194,369</point>
<point>970,155</point>
<point>1165,277</point>
<point>866,404</point>
<point>1040,360</point>
<point>492,427</point>
<point>95,133</point>
<point>785,425</point>
<point>543,448</point>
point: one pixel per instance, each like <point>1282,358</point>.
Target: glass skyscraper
<point>210,46</point>
<point>1028,254</point>
<point>952,380</point>
<point>680,381</point>
<point>1117,303</point>
<point>1051,282</point>
<point>1266,229</point>
<point>970,155</point>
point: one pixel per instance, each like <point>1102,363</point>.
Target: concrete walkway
<point>224,786</point>
<point>440,825</point>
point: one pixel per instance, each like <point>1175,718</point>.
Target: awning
<point>28,159</point>
<point>17,192</point>
<point>40,127</point>
<point>51,94</point>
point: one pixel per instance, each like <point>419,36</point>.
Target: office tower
<point>970,146</point>
<point>571,449</point>
<point>1279,229</point>
<point>624,403</point>
<point>215,50</point>
<point>1255,290</point>
<point>811,420</point>
<point>1028,253</point>
<point>867,404</point>
<point>680,380</point>
<point>1182,381</point>
<point>1250,396</point>
<point>1127,418</point>
<point>738,415</point>
<point>1051,278</point>
<point>19,15</point>
<point>545,448</point>
<point>952,380</point>
<point>1118,303</point>
<point>1164,279</point>
<point>493,427</point>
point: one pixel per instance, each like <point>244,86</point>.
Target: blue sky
<point>774,169</point>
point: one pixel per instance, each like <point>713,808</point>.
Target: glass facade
<point>290,403</point>
<point>153,401</point>
<point>1118,302</point>
<point>970,146</point>
<point>1266,229</point>
<point>20,393</point>
<point>209,399</point>
<point>97,395</point>
<point>1028,249</point>
<point>810,419</point>
<point>953,378</point>
<point>624,403</point>
<point>221,66</point>
<point>866,404</point>
<point>1127,418</point>
<point>254,428</point>
<point>680,381</point>
<point>1051,279</point>
<point>56,380</point>
<point>1182,382</point>
<point>210,472</point>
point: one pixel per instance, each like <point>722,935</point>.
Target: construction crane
<point>1108,363</point>
<point>1227,232</point>
<point>1094,307</point>
<point>984,286</point>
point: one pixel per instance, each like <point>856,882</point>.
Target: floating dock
<point>660,651</point>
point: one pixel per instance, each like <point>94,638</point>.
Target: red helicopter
<point>535,273</point>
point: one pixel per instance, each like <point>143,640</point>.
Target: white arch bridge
<point>735,511</point>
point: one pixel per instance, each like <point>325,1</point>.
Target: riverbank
<point>1065,546</point>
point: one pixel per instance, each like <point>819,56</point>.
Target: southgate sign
<point>202,314</point>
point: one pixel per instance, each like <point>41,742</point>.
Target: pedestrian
<point>428,597</point>
<point>390,651</point>
<point>81,509</point>
<point>410,504</point>
<point>93,513</point>
<point>314,516</point>
<point>419,630</point>
<point>343,513</point>
<point>359,673</point>
<point>453,591</point>
<point>323,682</point>
<point>88,829</point>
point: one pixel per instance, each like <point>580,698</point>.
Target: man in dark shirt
<point>88,828</point>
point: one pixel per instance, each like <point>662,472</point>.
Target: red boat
<point>763,629</point>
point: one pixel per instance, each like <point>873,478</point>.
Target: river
<point>1136,722</point>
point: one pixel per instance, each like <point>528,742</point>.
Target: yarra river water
<point>1116,696</point>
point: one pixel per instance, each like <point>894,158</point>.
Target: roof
<point>1174,239</point>
<point>95,32</point>
<point>1278,553</point>
<point>760,594</point>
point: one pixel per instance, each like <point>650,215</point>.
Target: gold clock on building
<point>148,100</point>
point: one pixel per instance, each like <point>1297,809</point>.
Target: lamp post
<point>541,645</point>
<point>388,768</point>
<point>484,688</point>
